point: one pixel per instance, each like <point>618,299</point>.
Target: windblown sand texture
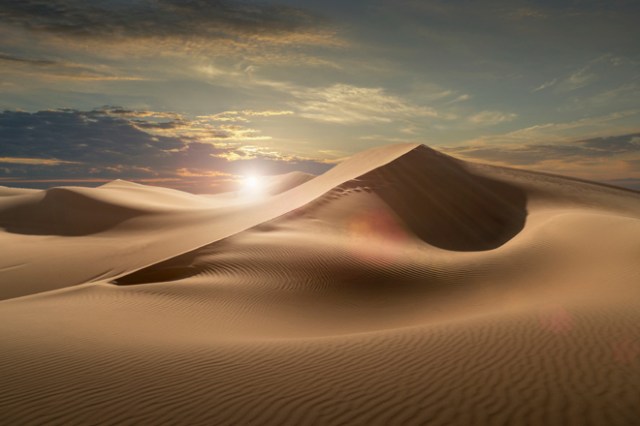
<point>401,287</point>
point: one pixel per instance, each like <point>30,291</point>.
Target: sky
<point>194,94</point>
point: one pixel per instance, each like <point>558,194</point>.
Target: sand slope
<point>401,287</point>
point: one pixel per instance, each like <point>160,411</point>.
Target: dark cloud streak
<point>29,61</point>
<point>188,19</point>
<point>621,146</point>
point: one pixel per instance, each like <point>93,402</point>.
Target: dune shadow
<point>63,212</point>
<point>445,204</point>
<point>173,269</point>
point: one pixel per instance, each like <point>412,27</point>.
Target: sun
<point>252,183</point>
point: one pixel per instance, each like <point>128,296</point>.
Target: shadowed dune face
<point>444,204</point>
<point>312,286</point>
<point>174,269</point>
<point>63,212</point>
<point>447,206</point>
<point>285,263</point>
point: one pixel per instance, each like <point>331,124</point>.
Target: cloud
<point>585,75</point>
<point>546,85</point>
<point>462,98</point>
<point>588,127</point>
<point>57,69</point>
<point>34,161</point>
<point>347,104</point>
<point>527,13</point>
<point>491,118</point>
<point>266,113</point>
<point>146,146</point>
<point>183,24</point>
<point>20,60</point>
<point>142,18</point>
<point>123,112</point>
<point>534,153</point>
<point>626,95</point>
<point>244,115</point>
<point>613,145</point>
<point>600,158</point>
<point>103,41</point>
<point>577,80</point>
<point>201,128</point>
<point>185,172</point>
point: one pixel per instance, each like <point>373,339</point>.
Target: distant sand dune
<point>401,287</point>
<point>64,212</point>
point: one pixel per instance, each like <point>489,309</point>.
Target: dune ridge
<point>401,287</point>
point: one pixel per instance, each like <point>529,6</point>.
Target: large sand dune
<point>401,287</point>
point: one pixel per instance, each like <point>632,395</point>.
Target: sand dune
<point>401,287</point>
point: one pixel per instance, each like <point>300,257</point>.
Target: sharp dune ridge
<point>403,286</point>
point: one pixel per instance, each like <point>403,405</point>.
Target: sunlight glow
<point>252,184</point>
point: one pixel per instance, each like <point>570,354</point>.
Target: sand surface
<point>401,287</point>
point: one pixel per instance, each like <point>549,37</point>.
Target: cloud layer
<point>342,103</point>
<point>108,143</point>
<point>536,153</point>
<point>187,19</point>
<point>614,159</point>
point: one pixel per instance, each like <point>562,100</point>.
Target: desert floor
<point>401,287</point>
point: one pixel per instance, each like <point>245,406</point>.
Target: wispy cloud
<point>589,127</point>
<point>60,69</point>
<point>35,161</point>
<point>30,61</point>
<point>267,113</point>
<point>342,103</point>
<point>546,85</point>
<point>526,13</point>
<point>626,95</point>
<point>462,98</point>
<point>244,115</point>
<point>491,118</point>
<point>585,75</point>
<point>202,128</point>
<point>577,80</point>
